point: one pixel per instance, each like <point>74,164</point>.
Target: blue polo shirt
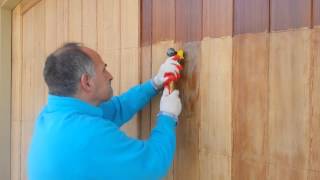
<point>75,140</point>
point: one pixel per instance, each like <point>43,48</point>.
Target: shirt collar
<point>72,104</point>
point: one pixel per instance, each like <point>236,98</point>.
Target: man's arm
<point>119,156</point>
<point>121,109</point>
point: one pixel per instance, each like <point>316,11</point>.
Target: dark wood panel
<point>287,14</point>
<point>146,23</point>
<point>316,12</point>
<point>251,16</point>
<point>188,20</point>
<point>163,21</point>
<point>217,18</point>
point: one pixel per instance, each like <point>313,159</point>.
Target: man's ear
<point>85,83</point>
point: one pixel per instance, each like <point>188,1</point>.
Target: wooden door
<point>41,26</point>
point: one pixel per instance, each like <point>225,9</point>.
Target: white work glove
<point>170,103</point>
<point>169,66</point>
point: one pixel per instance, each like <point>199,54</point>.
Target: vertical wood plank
<point>316,12</point>
<point>289,72</point>
<point>33,88</point>
<point>251,16</point>
<point>89,23</point>
<point>290,14</point>
<point>314,175</point>
<point>187,156</point>
<point>314,161</point>
<point>16,93</point>
<point>146,23</point>
<point>188,20</point>
<point>62,22</point>
<point>163,20</point>
<point>250,105</point>
<point>108,19</point>
<point>217,18</point>
<point>215,134</point>
<point>130,23</point>
<point>75,20</point>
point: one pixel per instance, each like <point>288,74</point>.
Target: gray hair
<point>64,67</point>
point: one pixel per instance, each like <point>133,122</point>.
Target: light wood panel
<point>314,161</point>
<point>215,132</point>
<point>89,23</point>
<point>33,94</point>
<point>75,20</point>
<point>250,106</point>
<point>16,94</point>
<point>288,127</point>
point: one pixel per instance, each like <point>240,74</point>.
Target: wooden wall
<point>249,88</point>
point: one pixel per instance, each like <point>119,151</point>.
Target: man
<point>77,135</point>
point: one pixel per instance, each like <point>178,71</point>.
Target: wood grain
<point>146,23</point>
<point>75,20</point>
<point>16,93</point>
<point>290,14</point>
<point>108,27</point>
<point>217,18</point>
<point>289,88</point>
<point>130,23</point>
<point>188,20</point>
<point>250,105</point>
<point>251,16</point>
<point>215,132</point>
<point>33,88</point>
<point>314,161</point>
<point>62,22</point>
<point>163,20</point>
<point>89,23</point>
<point>316,12</point>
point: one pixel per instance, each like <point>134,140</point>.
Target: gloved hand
<point>169,66</point>
<point>171,103</point>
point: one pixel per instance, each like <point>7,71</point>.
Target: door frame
<point>6,7</point>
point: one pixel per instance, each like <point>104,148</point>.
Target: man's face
<point>101,90</point>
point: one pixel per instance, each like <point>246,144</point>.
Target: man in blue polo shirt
<point>77,134</point>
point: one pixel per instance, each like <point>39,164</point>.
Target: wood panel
<point>278,172</point>
<point>250,105</point>
<point>251,16</point>
<point>130,23</point>
<point>75,20</point>
<point>33,94</point>
<point>146,23</point>
<point>16,93</point>
<point>108,17</point>
<point>290,14</point>
<point>215,25</point>
<point>163,20</point>
<point>289,100</point>
<point>187,156</point>
<point>62,22</point>
<point>215,133</point>
<point>316,12</point>
<point>314,161</point>
<point>89,23</point>
<point>188,20</point>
